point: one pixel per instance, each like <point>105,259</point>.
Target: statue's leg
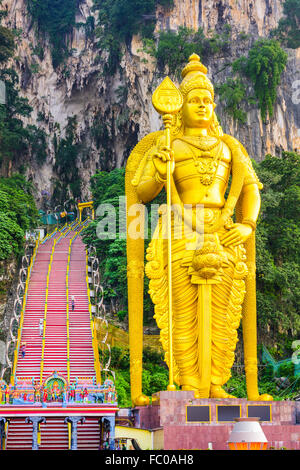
<point>227,298</point>
<point>185,329</point>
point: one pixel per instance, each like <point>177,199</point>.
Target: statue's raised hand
<point>160,157</point>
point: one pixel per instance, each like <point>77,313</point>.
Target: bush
<point>16,139</point>
<point>278,247</point>
<point>174,48</point>
<point>264,66</point>
<point>18,213</point>
<point>119,20</point>
<point>56,19</point>
<point>288,32</point>
<point>232,93</point>
<point>66,154</point>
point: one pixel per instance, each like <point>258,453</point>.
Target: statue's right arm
<point>151,182</point>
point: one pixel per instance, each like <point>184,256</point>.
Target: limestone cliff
<point>114,112</point>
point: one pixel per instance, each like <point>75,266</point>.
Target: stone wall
<point>282,431</point>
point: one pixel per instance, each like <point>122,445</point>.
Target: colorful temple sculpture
<point>55,397</point>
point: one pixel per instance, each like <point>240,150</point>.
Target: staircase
<point>19,435</point>
<point>55,348</point>
<point>81,349</point>
<point>67,336</point>
<point>35,306</point>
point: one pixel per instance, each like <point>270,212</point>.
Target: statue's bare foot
<point>141,400</point>
<point>263,397</point>
<point>216,391</point>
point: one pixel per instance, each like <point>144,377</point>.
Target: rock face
<point>114,112</point>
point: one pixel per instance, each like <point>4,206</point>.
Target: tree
<point>119,20</point>
<point>15,138</point>
<point>264,66</point>
<point>66,153</point>
<point>288,30</point>
<point>55,19</point>
<point>7,40</point>
<point>106,188</point>
<point>278,248</point>
<point>18,213</point>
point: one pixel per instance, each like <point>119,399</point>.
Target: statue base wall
<point>181,417</point>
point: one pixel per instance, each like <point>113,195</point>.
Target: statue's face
<point>198,108</point>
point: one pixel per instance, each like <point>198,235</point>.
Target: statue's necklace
<point>207,169</point>
<point>201,143</point>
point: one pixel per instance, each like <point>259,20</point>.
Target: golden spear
<point>167,100</point>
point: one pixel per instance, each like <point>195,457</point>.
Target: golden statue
<point>201,264</point>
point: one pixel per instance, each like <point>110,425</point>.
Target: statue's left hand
<point>237,234</point>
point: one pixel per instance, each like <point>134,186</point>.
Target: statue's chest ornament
<point>206,158</point>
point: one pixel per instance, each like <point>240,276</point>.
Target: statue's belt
<point>186,242</point>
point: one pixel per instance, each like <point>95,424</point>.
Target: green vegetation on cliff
<point>107,188</point>
<point>278,250</point>
<point>288,30</point>
<point>54,19</point>
<point>172,48</point>
<point>18,213</point>
<point>66,155</point>
<point>119,20</point>
<point>15,138</point>
<point>264,66</point>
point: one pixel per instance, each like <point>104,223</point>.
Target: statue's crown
<point>194,76</point>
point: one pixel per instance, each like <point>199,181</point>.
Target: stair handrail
<point>93,328</point>
<point>99,295</point>
<point>49,235</point>
<point>45,312</point>
<point>267,357</point>
<point>67,306</point>
<point>24,301</point>
<point>75,224</point>
<point>62,234</point>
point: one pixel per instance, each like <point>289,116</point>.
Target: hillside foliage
<point>288,30</point>
<point>55,19</point>
<point>119,20</point>
<point>264,66</point>
<point>278,250</point>
<point>66,155</point>
<point>18,213</point>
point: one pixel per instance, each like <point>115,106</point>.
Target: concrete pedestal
<point>173,415</point>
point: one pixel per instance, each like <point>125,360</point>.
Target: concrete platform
<point>181,416</point>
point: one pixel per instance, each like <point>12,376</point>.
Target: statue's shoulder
<point>140,150</point>
<point>239,153</point>
<point>232,142</point>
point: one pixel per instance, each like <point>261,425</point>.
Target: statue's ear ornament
<point>177,124</point>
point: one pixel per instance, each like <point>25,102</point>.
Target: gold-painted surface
<point>84,205</point>
<point>212,284</point>
<point>168,100</point>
